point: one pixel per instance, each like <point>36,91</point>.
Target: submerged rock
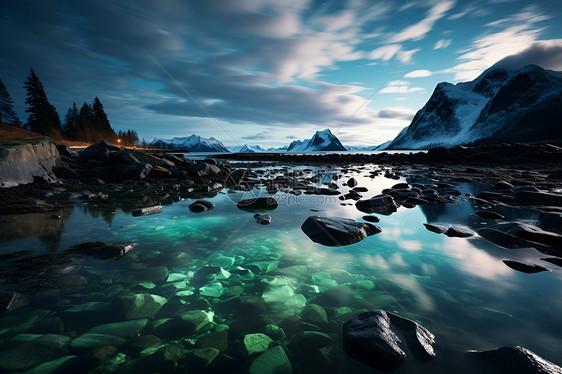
<point>110,251</point>
<point>509,360</point>
<point>141,305</point>
<point>32,353</point>
<point>274,361</point>
<point>256,343</point>
<point>335,231</point>
<point>258,204</point>
<point>381,204</point>
<point>369,339</point>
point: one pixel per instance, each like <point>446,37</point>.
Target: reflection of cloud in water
<point>475,261</point>
<point>397,259</point>
<point>376,261</point>
<point>416,291</point>
<point>411,245</point>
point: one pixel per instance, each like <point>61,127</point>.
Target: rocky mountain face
<point>501,105</point>
<point>193,143</point>
<point>321,141</point>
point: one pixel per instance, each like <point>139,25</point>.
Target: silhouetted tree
<point>70,120</point>
<point>7,114</point>
<point>85,124</point>
<point>43,117</point>
<point>103,130</point>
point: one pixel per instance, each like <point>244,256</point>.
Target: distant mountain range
<point>502,105</point>
<point>321,141</point>
<point>193,143</point>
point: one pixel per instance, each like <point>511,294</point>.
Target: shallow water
<point>457,288</point>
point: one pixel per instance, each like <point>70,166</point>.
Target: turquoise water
<point>458,288</point>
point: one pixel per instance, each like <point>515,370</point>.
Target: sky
<point>265,72</point>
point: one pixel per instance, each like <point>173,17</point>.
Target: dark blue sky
<point>265,71</point>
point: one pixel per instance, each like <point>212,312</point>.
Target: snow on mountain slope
<point>321,141</point>
<point>251,149</point>
<point>500,102</point>
<point>193,143</point>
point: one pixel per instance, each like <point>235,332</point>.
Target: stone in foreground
<point>517,359</point>
<point>336,232</point>
<point>273,361</point>
<point>369,339</point>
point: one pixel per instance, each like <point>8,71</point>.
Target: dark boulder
<point>489,214</point>
<point>420,340</point>
<point>100,151</point>
<point>352,182</point>
<point>136,171</point>
<point>263,219</point>
<point>202,169</point>
<point>369,339</point>
<point>258,204</point>
<point>334,231</point>
<point>524,268</point>
<point>503,239</point>
<point>550,222</point>
<point>538,198</point>
<point>535,234</point>
<point>439,229</point>
<point>459,232</point>
<point>381,204</point>
<point>509,360</point>
<point>201,206</point>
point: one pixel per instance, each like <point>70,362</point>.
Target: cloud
<point>507,36</point>
<point>546,54</point>
<point>401,90</point>
<point>419,30</point>
<point>443,43</point>
<point>397,113</point>
<point>387,52</point>
<point>419,74</point>
<point>290,137</point>
<point>264,135</point>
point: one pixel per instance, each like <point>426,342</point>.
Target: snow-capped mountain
<point>321,141</point>
<point>251,149</point>
<point>503,104</point>
<point>382,146</point>
<point>356,148</point>
<point>193,143</point>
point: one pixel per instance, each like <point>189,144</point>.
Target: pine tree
<point>70,120</point>
<point>85,124</point>
<point>7,114</point>
<point>43,117</point>
<point>101,122</point>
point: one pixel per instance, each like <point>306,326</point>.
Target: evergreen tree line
<point>89,124</point>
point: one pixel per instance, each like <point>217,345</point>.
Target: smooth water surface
<point>457,288</point>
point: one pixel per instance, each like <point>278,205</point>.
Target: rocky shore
<point>242,313</point>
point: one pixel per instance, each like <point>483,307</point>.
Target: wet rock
<point>439,229</point>
<point>248,304</point>
<point>203,357</point>
<point>306,340</point>
<point>381,204</point>
<point>489,214</point>
<point>218,340</point>
<point>142,342</point>
<point>8,301</point>
<point>335,231</point>
<point>360,189</point>
<point>69,282</point>
<point>202,169</point>
<point>109,251</point>
<point>535,234</point>
<point>141,305</point>
<point>194,320</point>
<point>538,198</point>
<point>89,360</point>
<point>420,340</point>
<point>258,204</point>
<point>256,343</point>
<point>136,171</point>
<point>126,329</point>
<point>263,219</point>
<point>509,360</point>
<point>459,232</point>
<point>503,185</point>
<point>523,267</point>
<point>148,210</point>
<point>553,260</point>
<point>352,182</point>
<point>274,361</point>
<point>550,222</point>
<point>201,206</point>
<point>503,239</point>
<point>369,339</point>
<point>32,353</point>
<point>89,340</point>
<point>315,313</point>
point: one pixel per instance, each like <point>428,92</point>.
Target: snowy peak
<point>246,148</point>
<point>321,141</point>
<point>193,143</point>
<point>502,104</point>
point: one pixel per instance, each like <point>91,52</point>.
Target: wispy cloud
<point>422,73</point>
<point>419,30</point>
<point>443,43</point>
<point>389,51</point>
<point>401,87</point>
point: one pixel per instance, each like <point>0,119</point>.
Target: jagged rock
<point>420,339</point>
<point>439,229</point>
<point>335,231</point>
<point>20,163</point>
<point>489,214</point>
<point>369,339</point>
<point>509,360</point>
<point>100,151</point>
<point>136,171</point>
<point>459,232</point>
<point>381,204</point>
<point>202,169</point>
<point>258,204</point>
